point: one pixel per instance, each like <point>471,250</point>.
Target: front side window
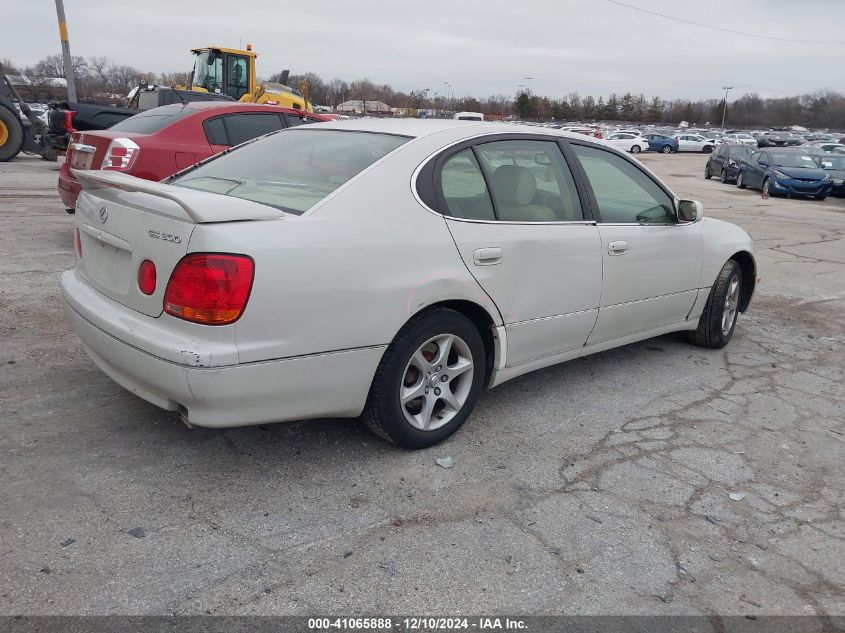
<point>624,194</point>
<point>292,170</point>
<point>208,71</point>
<point>463,188</point>
<point>530,181</point>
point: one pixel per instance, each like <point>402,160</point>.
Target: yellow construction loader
<point>231,71</point>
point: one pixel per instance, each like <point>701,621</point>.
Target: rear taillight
<point>121,155</point>
<point>69,114</point>
<point>147,277</point>
<point>209,288</point>
<point>78,241</point>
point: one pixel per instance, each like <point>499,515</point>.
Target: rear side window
<point>153,120</point>
<point>464,189</point>
<point>294,170</point>
<point>243,127</point>
<point>215,131</point>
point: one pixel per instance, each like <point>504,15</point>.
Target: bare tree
<point>54,66</point>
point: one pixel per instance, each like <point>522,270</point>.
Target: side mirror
<point>763,163</point>
<point>690,210</point>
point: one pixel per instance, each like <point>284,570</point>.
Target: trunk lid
<point>123,221</point>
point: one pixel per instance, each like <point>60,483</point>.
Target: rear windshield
<point>292,170</point>
<point>831,161</point>
<point>740,150</point>
<point>153,120</point>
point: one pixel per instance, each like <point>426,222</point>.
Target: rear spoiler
<point>201,206</point>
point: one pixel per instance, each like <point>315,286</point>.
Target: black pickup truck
<point>65,117</point>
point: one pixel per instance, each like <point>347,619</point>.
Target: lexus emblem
<point>104,215</point>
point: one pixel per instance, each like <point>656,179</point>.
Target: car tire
<point>766,188</point>
<point>707,174</point>
<point>71,211</point>
<point>636,149</point>
<point>707,149</point>
<point>740,182</point>
<point>820,197</point>
<point>11,134</point>
<point>718,321</point>
<point>723,177</point>
<point>666,149</point>
<point>410,363</point>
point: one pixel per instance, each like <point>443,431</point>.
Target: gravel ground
<point>598,486</point>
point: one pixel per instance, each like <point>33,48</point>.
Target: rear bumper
<point>69,189</point>
<point>332,384</point>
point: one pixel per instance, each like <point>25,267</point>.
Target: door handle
<point>487,256</point>
<point>619,247</point>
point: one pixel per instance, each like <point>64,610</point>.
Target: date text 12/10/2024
<point>415,624</point>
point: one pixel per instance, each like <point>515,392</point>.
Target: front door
<point>652,263</point>
<point>516,217</point>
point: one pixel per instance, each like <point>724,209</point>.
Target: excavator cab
<point>231,71</point>
<point>224,71</point>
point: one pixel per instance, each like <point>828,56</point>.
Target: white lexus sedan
<point>628,142</point>
<point>389,269</point>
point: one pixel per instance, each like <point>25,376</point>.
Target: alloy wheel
<point>731,305</point>
<point>436,382</point>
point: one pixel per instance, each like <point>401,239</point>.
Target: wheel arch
<point>484,323</point>
<point>748,266</point>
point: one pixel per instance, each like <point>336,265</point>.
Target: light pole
<point>528,79</point>
<point>446,87</point>
<point>68,61</point>
<point>725,105</point>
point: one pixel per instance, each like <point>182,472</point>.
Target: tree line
<point>99,76</point>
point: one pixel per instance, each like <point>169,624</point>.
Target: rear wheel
<point>667,149</point>
<point>740,182</point>
<point>11,134</point>
<point>428,381</point>
<point>717,322</point>
<point>707,149</point>
<point>636,149</point>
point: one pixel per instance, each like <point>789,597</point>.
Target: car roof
<point>237,105</point>
<point>456,129</point>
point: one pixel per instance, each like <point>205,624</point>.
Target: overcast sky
<point>479,47</point>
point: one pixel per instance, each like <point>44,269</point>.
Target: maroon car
<point>157,143</point>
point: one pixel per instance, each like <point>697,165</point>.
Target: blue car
<point>661,143</point>
<point>784,172</point>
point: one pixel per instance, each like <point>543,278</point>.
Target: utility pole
<point>68,62</point>
<point>725,105</point>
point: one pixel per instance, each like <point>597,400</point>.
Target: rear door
<point>516,216</point>
<point>651,262</point>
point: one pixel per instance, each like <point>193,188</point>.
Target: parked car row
<point>780,171</point>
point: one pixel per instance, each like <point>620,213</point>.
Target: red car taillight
<point>147,277</point>
<point>69,114</point>
<point>209,288</point>
<point>78,241</point>
<point>121,155</point>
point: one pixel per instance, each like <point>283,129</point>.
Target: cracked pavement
<point>600,486</point>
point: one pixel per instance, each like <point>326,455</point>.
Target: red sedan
<point>157,143</point>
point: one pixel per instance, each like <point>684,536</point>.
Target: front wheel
<point>428,381</point>
<point>723,177</point>
<point>767,187</point>
<point>740,181</point>
<point>636,149</point>
<point>821,196</point>
<point>667,149</point>
<point>707,174</point>
<point>717,322</point>
<point>707,149</point>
